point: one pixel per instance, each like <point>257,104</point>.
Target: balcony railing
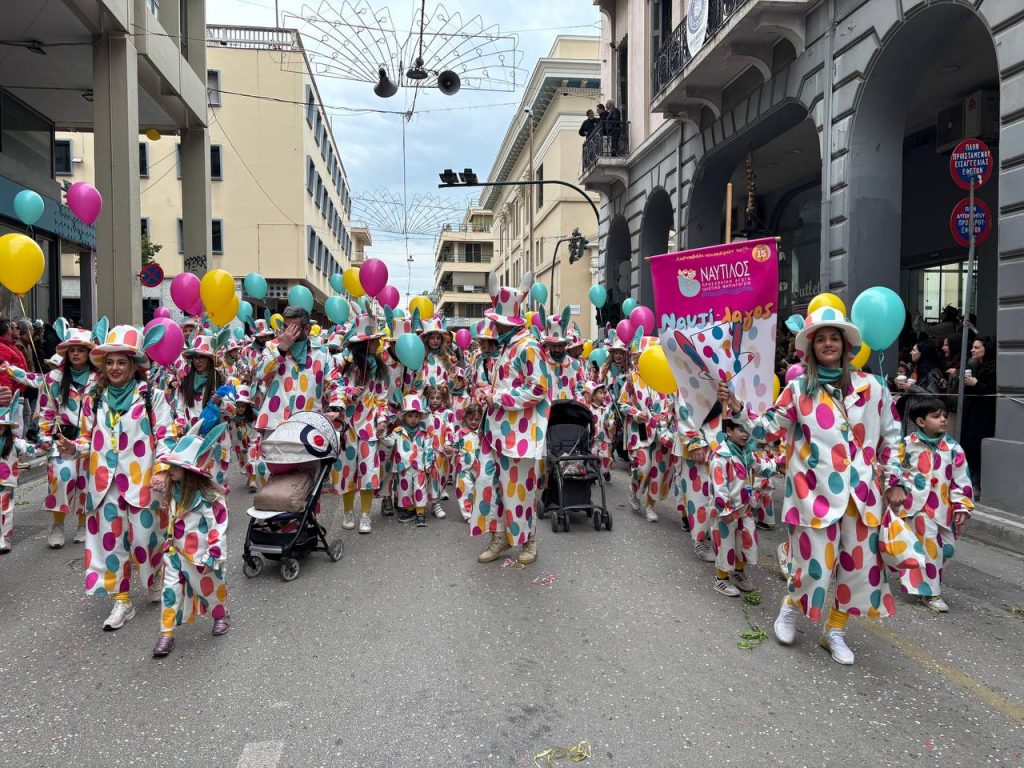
<point>458,258</point>
<point>609,138</point>
<point>674,55</point>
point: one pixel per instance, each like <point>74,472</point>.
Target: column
<point>116,133</point>
<point>195,199</point>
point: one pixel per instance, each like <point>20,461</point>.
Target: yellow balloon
<point>216,290</point>
<point>654,370</point>
<point>826,300</point>
<point>776,388</point>
<point>224,315</point>
<point>153,134</point>
<point>21,263</point>
<point>588,347</point>
<point>276,322</point>
<point>315,330</point>
<point>424,305</point>
<point>350,279</point>
<point>861,358</point>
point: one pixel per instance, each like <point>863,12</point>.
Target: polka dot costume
<point>194,562</point>
<point>648,421</point>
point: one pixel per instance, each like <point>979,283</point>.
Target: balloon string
<point>32,343</point>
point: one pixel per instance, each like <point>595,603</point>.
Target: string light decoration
<point>353,41</point>
<point>425,214</point>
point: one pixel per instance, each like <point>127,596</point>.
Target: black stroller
<point>282,521</point>
<point>572,467</point>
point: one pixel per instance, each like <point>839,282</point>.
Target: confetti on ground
<point>753,635</point>
<point>512,563</point>
<point>547,580</point>
<point>576,754</point>
<point>1014,612</point>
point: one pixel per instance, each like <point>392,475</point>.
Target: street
<point>408,652</point>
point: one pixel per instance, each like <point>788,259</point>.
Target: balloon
<point>216,289</point>
<point>629,305</point>
<point>373,276</point>
<point>350,280</point>
<point>880,314</point>
<point>255,285</point>
<point>337,310</point>
<point>238,332</point>
<point>196,309</point>
<point>424,305</point>
<point>224,315</point>
<point>410,350</point>
<point>642,317</point>
<point>598,295</point>
<point>389,296</point>
<point>245,311</point>
<point>29,206</point>
<point>153,134</point>
<point>539,292</point>
<point>861,358</point>
<point>599,356</point>
<point>300,296</point>
<point>794,371</point>
<point>776,387</point>
<point>654,370</point>
<point>315,330</point>
<point>588,347</point>
<point>161,312</point>
<point>625,330</point>
<point>463,339</point>
<point>21,263</point>
<point>166,351</point>
<point>537,322</point>
<point>85,201</point>
<point>337,283</point>
<point>826,300</point>
<point>276,321</point>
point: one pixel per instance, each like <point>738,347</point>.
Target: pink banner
<point>716,311</point>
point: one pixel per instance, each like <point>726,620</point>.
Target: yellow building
<point>462,260</point>
<point>562,87</point>
<point>280,196</point>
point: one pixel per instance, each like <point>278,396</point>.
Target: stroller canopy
<point>305,436</point>
<point>570,412</point>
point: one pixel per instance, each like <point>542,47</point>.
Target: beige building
<point>529,221</point>
<point>462,261</point>
<point>280,196</point>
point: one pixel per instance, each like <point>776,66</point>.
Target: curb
<point>996,528</point>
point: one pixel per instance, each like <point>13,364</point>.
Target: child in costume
<point>413,458</point>
<point>458,394</point>
<point>467,458</point>
<point>604,421</point>
<point>243,436</point>
<point>441,425</point>
<point>11,449</point>
<point>194,552</point>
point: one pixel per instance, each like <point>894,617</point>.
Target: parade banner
<point>716,311</point>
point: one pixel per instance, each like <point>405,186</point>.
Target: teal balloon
<point>599,356</point>
<point>539,292</point>
<point>398,313</point>
<point>337,282</point>
<point>255,285</point>
<point>301,296</point>
<point>29,206</point>
<point>239,333</point>
<point>598,296</point>
<point>880,314</point>
<point>629,305</point>
<point>245,311</point>
<point>410,351</point>
<point>337,310</point>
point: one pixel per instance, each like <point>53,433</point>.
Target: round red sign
<point>959,222</point>
<point>972,159</point>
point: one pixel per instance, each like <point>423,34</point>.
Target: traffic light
<point>577,246</point>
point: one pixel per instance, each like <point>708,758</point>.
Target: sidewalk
<point>996,528</point>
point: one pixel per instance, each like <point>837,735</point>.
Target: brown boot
<point>499,543</point>
<point>529,553</point>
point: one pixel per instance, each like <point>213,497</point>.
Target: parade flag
<point>716,311</point>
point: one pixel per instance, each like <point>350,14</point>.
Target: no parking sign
<point>972,159</point>
<point>959,222</point>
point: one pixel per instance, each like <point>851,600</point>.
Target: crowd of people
<point>139,453</point>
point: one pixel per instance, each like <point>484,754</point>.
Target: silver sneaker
<point>652,516</point>
<point>937,604</point>
<point>742,581</point>
<point>785,624</point>
<point>704,551</point>
<point>634,504</point>
<point>55,538</point>
<point>348,520</point>
<point>780,554</point>
<point>835,641</point>
<point>723,587</point>
<point>364,523</point>
<point>119,614</point>
<point>79,534</point>
<point>5,544</point>
<point>438,511</point>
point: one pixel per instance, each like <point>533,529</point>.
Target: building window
<point>181,236</point>
<point>217,235</point>
<point>177,159</point>
<point>318,128</point>
<point>474,252</point>
<point>319,255</point>
<point>62,157</point>
<point>143,160</point>
<point>310,106</point>
<point>310,243</point>
<point>310,175</point>
<point>319,191</point>
<point>154,7</point>
<point>540,187</point>
<point>213,87</point>
<point>144,226</point>
<point>216,163</point>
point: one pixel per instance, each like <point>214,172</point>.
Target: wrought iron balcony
<point>609,138</point>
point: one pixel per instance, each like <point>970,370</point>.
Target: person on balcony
<point>613,127</point>
<point>589,124</point>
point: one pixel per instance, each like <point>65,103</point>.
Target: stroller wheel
<point>554,522</point>
<point>596,514</point>
<point>252,566</point>
<point>290,569</point>
<point>607,521</point>
<point>565,521</point>
<point>336,550</point>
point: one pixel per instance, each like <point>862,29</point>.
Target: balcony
<point>605,153</point>
<point>740,34</point>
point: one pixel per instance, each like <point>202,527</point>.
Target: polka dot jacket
<point>516,424</point>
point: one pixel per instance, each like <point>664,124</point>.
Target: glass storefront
<point>930,289</point>
<point>798,224</point>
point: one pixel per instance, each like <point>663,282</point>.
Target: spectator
<point>948,325</point>
<point>614,125</point>
<point>12,355</point>
<point>979,416</point>
<point>926,377</point>
<point>589,124</point>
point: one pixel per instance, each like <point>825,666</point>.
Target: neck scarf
<point>298,350</point>
<point>413,430</point>
<point>829,375</point>
<point>489,354</point>
<point>119,399</point>
<point>199,381</point>
<point>457,391</point>
<point>505,338</point>
<point>743,454</point>
<point>80,378</point>
<point>931,442</point>
<point>614,369</point>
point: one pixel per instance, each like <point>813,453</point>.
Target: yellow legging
<point>365,500</point>
<point>836,619</point>
<point>58,518</point>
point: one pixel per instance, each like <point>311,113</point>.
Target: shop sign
<point>959,222</point>
<point>972,159</point>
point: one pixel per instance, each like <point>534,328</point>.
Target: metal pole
<point>277,15</point>
<point>825,262</point>
<point>967,311</point>
<point>529,266</point>
<point>559,182</point>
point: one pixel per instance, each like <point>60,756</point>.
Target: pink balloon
<point>161,312</point>
<point>166,350</point>
<point>537,321</point>
<point>463,338</point>
<point>197,309</point>
<point>624,330</point>
<point>794,371</point>
<point>388,296</point>
<point>85,201</point>
<point>185,291</point>
<point>373,276</point>
<point>642,317</point>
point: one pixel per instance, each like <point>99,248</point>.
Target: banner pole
<point>728,212</point>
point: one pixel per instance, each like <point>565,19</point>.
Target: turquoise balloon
<point>629,305</point>
<point>599,356</point>
<point>337,310</point>
<point>337,282</point>
<point>29,206</point>
<point>255,285</point>
<point>880,315</point>
<point>539,292</point>
<point>410,351</point>
<point>598,296</point>
<point>301,296</point>
<point>239,333</point>
<point>399,313</point>
<point>245,311</point>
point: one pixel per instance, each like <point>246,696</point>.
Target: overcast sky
<point>457,131</point>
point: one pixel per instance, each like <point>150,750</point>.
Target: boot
<point>529,552</point>
<point>499,543</point>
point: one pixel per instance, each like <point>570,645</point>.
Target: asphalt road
<point>408,652</point>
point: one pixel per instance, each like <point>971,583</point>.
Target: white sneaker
<point>704,551</point>
<point>156,592</point>
<point>438,512</point>
<point>785,624</point>
<point>742,581</point>
<point>55,538</point>
<point>937,604</point>
<point>780,554</point>
<point>348,520</point>
<point>444,496</point>
<point>634,504</point>
<point>723,587</point>
<point>120,614</point>
<point>835,641</point>
<point>652,516</point>
<point>79,534</point>
<point>364,523</point>
<point>5,544</point>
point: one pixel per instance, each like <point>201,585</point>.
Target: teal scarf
<point>614,369</point>
<point>298,350</point>
<point>829,375</point>
<point>743,454</point>
<point>80,378</point>
<point>177,493</point>
<point>458,391</point>
<point>505,338</point>
<point>489,355</point>
<point>413,431</point>
<point>199,380</point>
<point>931,442</point>
<point>119,399</point>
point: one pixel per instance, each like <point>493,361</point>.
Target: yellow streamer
<point>576,754</point>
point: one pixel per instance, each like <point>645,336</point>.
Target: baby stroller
<point>572,467</point>
<point>282,525</point>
